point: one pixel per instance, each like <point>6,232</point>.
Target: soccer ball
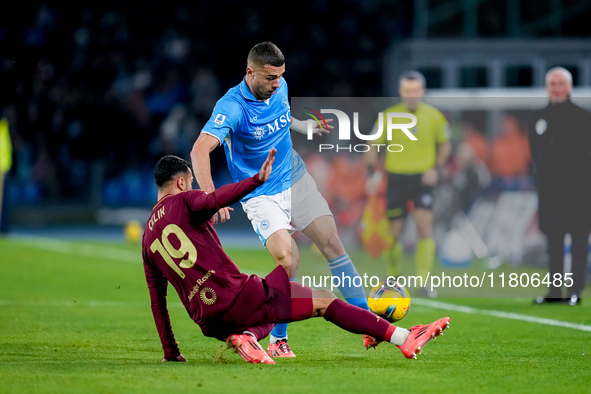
<point>389,300</point>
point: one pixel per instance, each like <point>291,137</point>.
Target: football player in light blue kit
<point>249,120</point>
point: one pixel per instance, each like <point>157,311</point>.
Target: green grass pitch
<point>75,317</point>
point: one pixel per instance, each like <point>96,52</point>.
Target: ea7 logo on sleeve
<point>219,119</point>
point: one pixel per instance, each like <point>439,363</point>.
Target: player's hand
<point>180,358</point>
<point>430,177</point>
<point>265,171</point>
<point>224,215</point>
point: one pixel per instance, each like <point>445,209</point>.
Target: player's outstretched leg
<point>356,320</point>
<point>248,347</point>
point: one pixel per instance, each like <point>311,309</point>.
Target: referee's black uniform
<point>560,139</point>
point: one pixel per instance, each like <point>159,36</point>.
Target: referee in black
<point>560,139</point>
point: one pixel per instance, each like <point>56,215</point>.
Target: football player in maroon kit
<point>180,246</point>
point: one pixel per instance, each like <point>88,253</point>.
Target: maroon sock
<point>261,332</point>
<point>359,321</point>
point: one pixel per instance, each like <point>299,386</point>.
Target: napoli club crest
<point>265,224</point>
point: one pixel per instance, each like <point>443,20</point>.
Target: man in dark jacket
<point>560,139</point>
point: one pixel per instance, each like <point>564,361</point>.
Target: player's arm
<point>443,144</point>
<point>208,204</point>
<point>157,286</point>
<point>442,136</point>
<point>443,152</point>
<point>433,175</point>
<point>301,126</point>
<point>200,160</point>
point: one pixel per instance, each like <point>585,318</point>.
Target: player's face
<point>264,81</point>
<point>558,87</point>
<point>411,91</point>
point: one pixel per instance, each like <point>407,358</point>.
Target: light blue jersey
<point>249,128</point>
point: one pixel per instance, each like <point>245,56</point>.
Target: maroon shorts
<point>273,299</point>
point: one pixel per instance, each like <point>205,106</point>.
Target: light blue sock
<point>278,332</point>
<point>280,329</point>
<point>342,267</point>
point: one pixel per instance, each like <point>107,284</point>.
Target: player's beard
<point>264,94</point>
<point>268,94</point>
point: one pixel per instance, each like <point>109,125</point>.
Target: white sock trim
<point>273,339</point>
<point>399,336</point>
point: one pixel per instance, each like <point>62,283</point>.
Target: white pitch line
<point>81,249</point>
<point>500,314</point>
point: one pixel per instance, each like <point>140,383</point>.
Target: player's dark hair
<point>168,167</point>
<point>265,53</point>
<point>412,76</point>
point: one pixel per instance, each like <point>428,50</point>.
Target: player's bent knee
<point>321,299</point>
<point>286,264</point>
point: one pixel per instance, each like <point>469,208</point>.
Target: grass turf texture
<point>75,317</point>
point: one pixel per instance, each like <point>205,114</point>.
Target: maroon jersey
<point>180,246</point>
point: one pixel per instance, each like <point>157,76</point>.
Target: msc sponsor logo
<point>280,122</point>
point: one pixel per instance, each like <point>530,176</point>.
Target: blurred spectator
<point>177,131</point>
<point>345,189</point>
<point>205,91</point>
<point>319,168</point>
<point>477,142</point>
<point>510,155</point>
<point>38,33</point>
<point>471,178</point>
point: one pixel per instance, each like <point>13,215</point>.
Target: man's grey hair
<point>412,76</point>
<point>560,70</point>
